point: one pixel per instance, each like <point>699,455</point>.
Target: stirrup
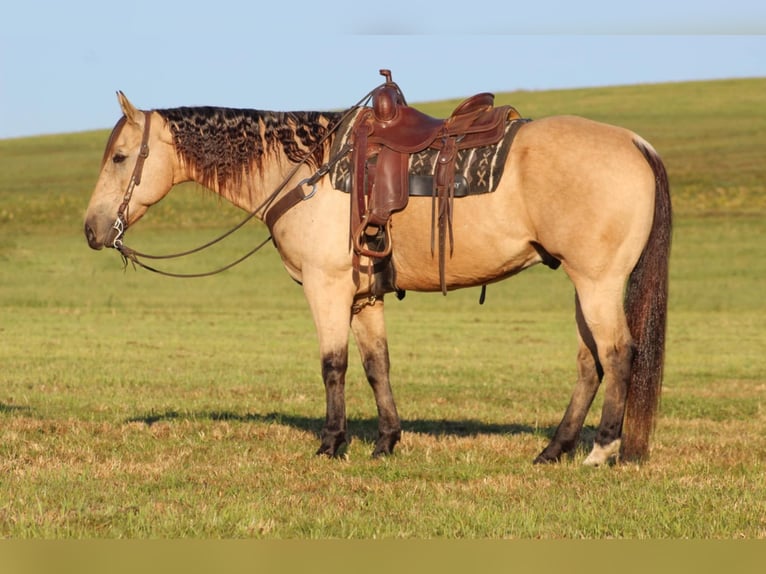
<point>357,239</point>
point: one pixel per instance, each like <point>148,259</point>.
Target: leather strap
<point>143,151</point>
<point>138,169</point>
<point>444,193</point>
<point>283,205</point>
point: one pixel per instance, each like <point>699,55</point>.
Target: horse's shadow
<point>6,408</point>
<point>366,429</point>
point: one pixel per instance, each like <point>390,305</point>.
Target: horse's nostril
<point>90,235</point>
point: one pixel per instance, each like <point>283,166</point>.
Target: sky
<point>62,62</point>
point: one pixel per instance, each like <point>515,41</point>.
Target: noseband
<point>121,223</point>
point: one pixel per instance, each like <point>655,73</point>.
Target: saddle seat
<point>402,128</point>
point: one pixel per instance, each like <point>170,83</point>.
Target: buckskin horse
<point>590,197</point>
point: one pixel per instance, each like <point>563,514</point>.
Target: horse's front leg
<point>368,326</point>
<point>333,433</point>
<point>330,302</point>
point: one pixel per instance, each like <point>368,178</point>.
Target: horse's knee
<point>334,367</point>
<point>377,364</point>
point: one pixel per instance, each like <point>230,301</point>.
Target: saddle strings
<point>132,255</point>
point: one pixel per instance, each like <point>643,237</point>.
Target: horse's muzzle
<point>93,241</point>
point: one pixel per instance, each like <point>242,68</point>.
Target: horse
<point>589,196</point>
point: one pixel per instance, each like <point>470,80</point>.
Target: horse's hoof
<point>551,454</point>
<point>383,450</point>
<point>339,452</point>
<point>601,455</point>
<point>384,446</point>
<point>324,451</point>
<point>543,458</point>
<point>333,445</point>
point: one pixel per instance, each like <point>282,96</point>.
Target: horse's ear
<point>130,111</point>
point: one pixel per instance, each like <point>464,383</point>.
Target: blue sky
<point>61,62</point>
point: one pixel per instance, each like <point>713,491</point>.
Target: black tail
<point>646,307</point>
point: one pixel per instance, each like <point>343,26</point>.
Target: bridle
<point>121,223</point>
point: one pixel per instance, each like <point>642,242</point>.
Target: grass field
<point>143,407</point>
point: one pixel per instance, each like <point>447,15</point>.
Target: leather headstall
<point>121,223</point>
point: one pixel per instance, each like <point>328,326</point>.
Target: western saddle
<point>384,137</point>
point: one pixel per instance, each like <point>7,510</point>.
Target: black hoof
<point>333,444</point>
<point>547,457</point>
<point>384,446</point>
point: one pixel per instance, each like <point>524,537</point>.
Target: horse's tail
<point>646,305</point>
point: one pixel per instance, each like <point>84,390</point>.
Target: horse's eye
<point>118,158</point>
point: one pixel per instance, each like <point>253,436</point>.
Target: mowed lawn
<point>137,406</point>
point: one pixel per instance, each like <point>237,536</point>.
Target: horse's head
<point>136,172</point>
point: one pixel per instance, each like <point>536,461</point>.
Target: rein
<point>121,225</point>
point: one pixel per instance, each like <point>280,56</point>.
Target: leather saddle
<point>385,135</point>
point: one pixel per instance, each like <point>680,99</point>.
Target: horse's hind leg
<point>602,309</point>
<point>605,354</point>
<point>589,374</point>
<point>369,331</point>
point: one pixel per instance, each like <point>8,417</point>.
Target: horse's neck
<point>255,186</point>
<point>245,155</point>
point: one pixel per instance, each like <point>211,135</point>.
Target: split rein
<point>120,224</point>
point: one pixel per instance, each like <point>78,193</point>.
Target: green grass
<point>138,406</point>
